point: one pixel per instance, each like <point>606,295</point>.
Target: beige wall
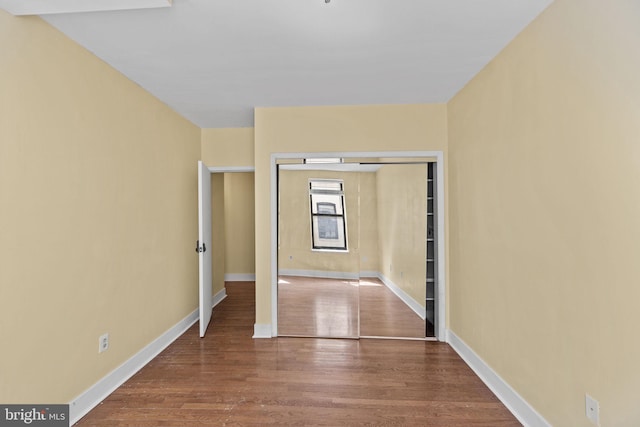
<point>327,129</point>
<point>218,231</point>
<point>368,221</point>
<point>239,208</point>
<point>98,215</point>
<point>402,227</point>
<point>295,251</point>
<point>544,212</point>
<point>227,147</point>
<point>98,197</point>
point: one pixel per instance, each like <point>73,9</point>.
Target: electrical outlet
<point>103,343</point>
<point>592,408</point>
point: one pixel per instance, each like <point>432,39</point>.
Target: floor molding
<point>366,274</point>
<point>405,297</point>
<point>262,330</point>
<point>321,274</point>
<point>218,297</point>
<point>519,407</point>
<point>239,277</point>
<point>95,394</point>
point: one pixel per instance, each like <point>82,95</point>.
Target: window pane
<point>326,208</point>
<point>328,233</point>
<point>323,160</point>
<point>327,214</point>
<point>326,186</point>
<point>328,227</point>
<point>321,201</point>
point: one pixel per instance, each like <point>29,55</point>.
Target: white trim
<point>405,297</point>
<point>274,245</point>
<point>218,297</point>
<point>342,167</point>
<point>369,274</point>
<point>90,398</point>
<point>239,277</point>
<point>515,403</point>
<point>231,169</point>
<point>440,319</point>
<point>95,394</point>
<point>344,275</point>
<point>440,201</point>
<point>262,330</point>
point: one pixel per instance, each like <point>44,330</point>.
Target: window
<point>320,160</point>
<point>328,217</point>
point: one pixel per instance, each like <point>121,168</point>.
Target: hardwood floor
<point>335,308</point>
<point>318,307</point>
<point>230,379</point>
<point>383,314</point>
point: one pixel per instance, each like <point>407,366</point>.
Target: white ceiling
<point>214,61</point>
<point>43,7</point>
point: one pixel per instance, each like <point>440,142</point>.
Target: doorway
<point>221,260</point>
<point>376,285</point>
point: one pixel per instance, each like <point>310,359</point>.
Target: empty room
<point>319,212</point>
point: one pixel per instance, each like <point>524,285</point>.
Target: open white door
<point>203,245</point>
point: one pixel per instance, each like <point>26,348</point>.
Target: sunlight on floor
<point>365,282</point>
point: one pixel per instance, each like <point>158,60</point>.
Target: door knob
<point>200,249</point>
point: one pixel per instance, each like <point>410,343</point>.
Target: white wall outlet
<point>103,343</point>
<point>592,408</point>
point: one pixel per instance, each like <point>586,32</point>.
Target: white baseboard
<point>321,274</point>
<point>405,297</point>
<point>369,274</point>
<point>239,277</point>
<point>519,407</point>
<point>95,394</point>
<point>218,297</point>
<point>262,330</point>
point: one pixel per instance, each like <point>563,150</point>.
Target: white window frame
<point>328,192</point>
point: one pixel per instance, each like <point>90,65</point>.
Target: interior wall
<point>239,223</point>
<point>218,234</point>
<point>230,147</point>
<point>331,129</point>
<point>98,219</point>
<point>402,227</point>
<point>295,252</point>
<point>368,211</point>
<point>544,205</point>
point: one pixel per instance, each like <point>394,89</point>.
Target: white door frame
<point>207,207</point>
<point>440,233</point>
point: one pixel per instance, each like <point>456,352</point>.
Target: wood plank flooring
<point>383,314</point>
<point>318,307</point>
<point>335,308</point>
<point>230,379</point>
